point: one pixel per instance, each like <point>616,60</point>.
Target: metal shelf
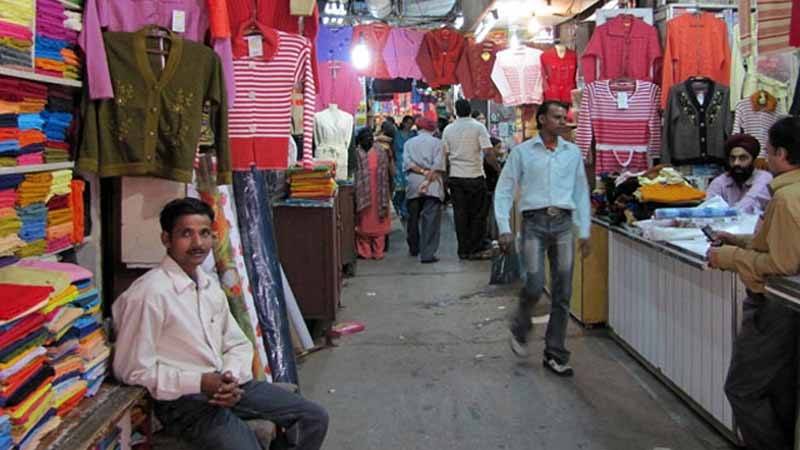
<point>37,168</point>
<point>33,76</point>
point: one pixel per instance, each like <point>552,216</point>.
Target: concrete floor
<point>433,370</point>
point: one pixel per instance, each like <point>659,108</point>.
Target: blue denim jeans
<point>210,427</point>
<point>551,236</point>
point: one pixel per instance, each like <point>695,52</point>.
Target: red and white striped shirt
<point>623,137</point>
<point>261,120</point>
<point>755,123</point>
<point>517,73</point>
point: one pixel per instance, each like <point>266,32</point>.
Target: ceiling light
<point>486,25</point>
<point>534,26</point>
<point>360,55</point>
<point>514,41</point>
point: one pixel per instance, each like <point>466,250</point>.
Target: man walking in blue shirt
<point>554,200</point>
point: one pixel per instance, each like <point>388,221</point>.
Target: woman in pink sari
<point>373,187</point>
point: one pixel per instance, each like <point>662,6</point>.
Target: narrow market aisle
<point>433,370</point>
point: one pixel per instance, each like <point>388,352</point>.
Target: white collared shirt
<point>171,330</point>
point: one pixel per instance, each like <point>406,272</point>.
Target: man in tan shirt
<point>762,379</point>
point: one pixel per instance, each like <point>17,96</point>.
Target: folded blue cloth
<point>33,148</point>
<point>9,146</point>
<point>695,213</point>
<point>10,181</point>
<point>30,122</point>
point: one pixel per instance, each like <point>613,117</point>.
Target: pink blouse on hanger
<point>132,15</point>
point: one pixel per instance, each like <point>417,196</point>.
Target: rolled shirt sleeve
<point>504,192</point>
<point>582,218</point>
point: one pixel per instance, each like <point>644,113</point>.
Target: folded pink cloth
<point>30,159</point>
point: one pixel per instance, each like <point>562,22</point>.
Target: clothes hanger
<point>160,33</point>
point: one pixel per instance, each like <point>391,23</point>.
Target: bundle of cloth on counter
<point>317,183</point>
<point>55,43</point>
<point>16,37</point>
<point>668,187</point>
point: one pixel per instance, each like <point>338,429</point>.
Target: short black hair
<point>388,129</point>
<point>494,141</point>
<point>544,108</point>
<point>183,207</point>
<point>463,108</point>
<point>476,114</point>
<point>786,133</point>
<point>363,133</point>
<point>407,118</point>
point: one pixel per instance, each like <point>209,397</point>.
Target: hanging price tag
<point>622,100</point>
<point>255,46</point>
<point>179,21</point>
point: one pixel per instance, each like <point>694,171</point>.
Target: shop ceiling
<point>464,14</point>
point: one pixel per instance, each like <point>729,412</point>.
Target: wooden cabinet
<point>309,249</point>
<point>589,303</point>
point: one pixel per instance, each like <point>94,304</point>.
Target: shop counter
<point>676,316</point>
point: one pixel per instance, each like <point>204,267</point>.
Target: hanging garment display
<point>261,120</point>
<point>517,73</point>
<point>401,51</point>
<point>695,129</point>
<point>333,44</point>
<point>438,56</point>
<point>152,127</point>
<point>774,25</point>
<point>475,70</point>
<point>623,46</point>
<point>374,36</point>
<point>625,127</point>
<point>794,25</point>
<point>276,15</point>
<point>745,27</point>
<point>333,130</point>
<point>774,73</point>
<point>188,19</point>
<point>258,242</point>
<point>559,65</point>
<point>755,116</point>
<point>697,45</point>
<point>339,85</point>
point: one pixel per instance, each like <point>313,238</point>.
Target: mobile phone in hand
<point>710,235</point>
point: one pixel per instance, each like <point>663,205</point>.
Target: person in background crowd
<point>554,198</point>
<point>373,183</point>
<point>424,164</point>
<point>177,338</point>
<point>399,196</point>
<point>477,115</point>
<point>441,124</point>
<point>492,171</point>
<point>466,144</point>
<point>762,379</point>
<point>743,186</point>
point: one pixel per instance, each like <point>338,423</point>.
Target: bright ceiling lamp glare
<point>459,22</point>
<point>486,26</point>
<point>534,26</point>
<point>514,41</point>
<point>360,55</point>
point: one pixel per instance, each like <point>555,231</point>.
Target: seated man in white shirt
<point>177,338</point>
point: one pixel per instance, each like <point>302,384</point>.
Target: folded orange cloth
<point>670,193</point>
<point>29,137</point>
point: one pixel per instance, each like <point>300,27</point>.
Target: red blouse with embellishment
<point>375,37</point>
<point>439,55</point>
<point>558,74</point>
<point>474,70</point>
<point>623,46</point>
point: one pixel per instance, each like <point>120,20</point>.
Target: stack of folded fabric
<point>5,433</point>
<point>26,392</point>
<point>55,42</point>
<point>16,38</point>
<point>34,96</point>
<point>32,211</point>
<point>76,200</point>
<point>31,139</point>
<point>9,238</point>
<point>58,120</point>
<point>317,183</point>
<point>59,211</point>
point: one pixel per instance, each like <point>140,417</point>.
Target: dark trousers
<point>206,426</point>
<point>424,224</point>
<point>547,236</point>
<point>469,211</point>
<point>762,379</point>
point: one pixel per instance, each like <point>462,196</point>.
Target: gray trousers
<point>210,427</point>
<point>424,226</point>
<point>551,236</point>
<point>762,379</point>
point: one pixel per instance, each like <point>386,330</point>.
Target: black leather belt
<point>550,211</point>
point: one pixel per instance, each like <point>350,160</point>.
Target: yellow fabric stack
<point>317,183</point>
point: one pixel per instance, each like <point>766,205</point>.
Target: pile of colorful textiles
<point>22,127</point>
<point>16,38</point>
<point>5,433</point>
<point>58,122</point>
<point>55,43</point>
<point>317,183</point>
<point>26,380</point>
<point>37,215</point>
